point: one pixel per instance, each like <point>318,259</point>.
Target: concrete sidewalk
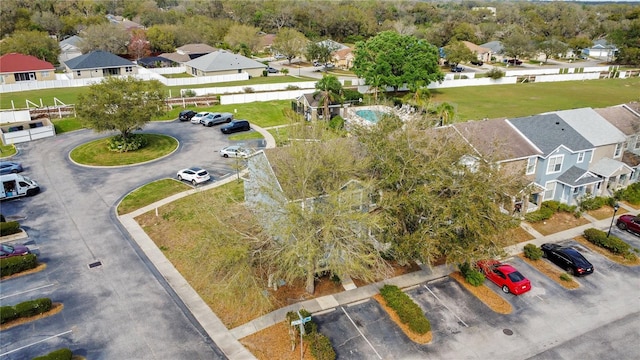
<point>227,340</point>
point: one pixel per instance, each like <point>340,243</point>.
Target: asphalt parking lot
<point>548,322</point>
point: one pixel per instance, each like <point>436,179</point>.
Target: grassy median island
<point>150,193</point>
<point>96,153</point>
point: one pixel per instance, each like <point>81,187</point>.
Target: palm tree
<point>329,89</point>
<point>445,112</point>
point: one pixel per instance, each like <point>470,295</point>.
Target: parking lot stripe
<point>26,291</point>
<point>37,342</point>
<point>361,334</point>
<point>443,304</point>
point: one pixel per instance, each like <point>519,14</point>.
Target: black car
<point>567,258</point>
<point>186,115</point>
<point>236,126</point>
<point>477,62</point>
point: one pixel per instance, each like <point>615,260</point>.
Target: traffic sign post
<point>300,322</point>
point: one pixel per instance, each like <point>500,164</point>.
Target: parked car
<point>10,167</point>
<point>216,118</point>
<point>235,151</point>
<point>272,70</point>
<point>7,250</point>
<point>477,62</point>
<point>513,62</point>
<point>197,117</point>
<point>457,68</point>
<point>317,63</point>
<point>567,258</point>
<point>236,126</point>
<point>630,223</point>
<point>186,115</point>
<point>195,175</point>
<point>505,276</point>
<point>329,66</point>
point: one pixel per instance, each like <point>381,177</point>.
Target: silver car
<point>10,167</point>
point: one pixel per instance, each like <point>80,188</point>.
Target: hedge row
<point>408,311</point>
<point>9,227</point>
<point>24,309</point>
<point>631,194</point>
<point>60,354</point>
<point>595,203</point>
<point>320,346</point>
<point>15,264</point>
<point>548,208</point>
<point>611,243</point>
<point>532,252</point>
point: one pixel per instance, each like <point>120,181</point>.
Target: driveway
<point>120,309</point>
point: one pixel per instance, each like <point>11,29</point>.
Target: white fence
<point>14,116</point>
<point>256,88</point>
<point>264,96</point>
<point>568,77</point>
<point>27,131</point>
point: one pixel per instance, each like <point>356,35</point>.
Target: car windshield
<point>516,277</point>
<point>7,248</point>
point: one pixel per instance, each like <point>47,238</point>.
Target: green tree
<point>319,51</point>
<point>34,43</point>
<point>122,104</point>
<point>290,43</point>
<point>517,44</point>
<point>162,38</point>
<point>552,48</point>
<point>576,44</point>
<point>438,199</point>
<point>328,90</point>
<point>243,37</point>
<point>398,59</point>
<point>457,52</point>
<point>106,37</point>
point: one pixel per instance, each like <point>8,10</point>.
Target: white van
<point>16,185</point>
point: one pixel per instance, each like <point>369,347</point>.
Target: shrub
<point>24,309</point>
<point>351,95</point>
<point>565,277</point>
<point>248,90</point>
<point>474,277</point>
<point>7,313</point>
<point>336,123</point>
<point>532,252</point>
<point>60,354</point>
<point>8,228</point>
<point>547,209</point>
<point>593,203</point>
<point>611,243</point>
<point>292,87</point>
<point>630,194</point>
<point>319,344</point>
<point>539,215</point>
<point>495,73</point>
<point>189,93</point>
<point>408,311</point>
<point>132,142</point>
<point>16,264</point>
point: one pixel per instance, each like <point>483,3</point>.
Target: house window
<point>576,191</point>
<point>128,69</point>
<point>555,164</point>
<point>637,146</point>
<point>618,150</point>
<point>531,165</point>
<point>550,189</point>
<point>44,74</point>
<point>580,157</point>
<point>78,73</point>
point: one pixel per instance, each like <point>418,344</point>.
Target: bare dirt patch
<point>605,212</point>
<point>558,222</point>
<point>551,271</point>
<point>417,338</point>
<point>608,254</point>
<point>396,269</point>
<point>36,269</point>
<point>275,342</point>
<point>484,294</point>
<point>55,308</point>
<point>514,236</point>
<point>295,292</point>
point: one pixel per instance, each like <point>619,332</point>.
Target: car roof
<point>203,113</point>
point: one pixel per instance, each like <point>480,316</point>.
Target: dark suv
<point>186,115</point>
<point>567,258</point>
<point>236,126</point>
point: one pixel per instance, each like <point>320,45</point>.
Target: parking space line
<point>443,304</point>
<point>361,334</point>
<point>37,342</point>
<point>26,291</point>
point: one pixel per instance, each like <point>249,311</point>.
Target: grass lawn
<point>252,135</point>
<point>96,152</point>
<point>150,193</point>
<point>7,150</point>
<point>66,125</point>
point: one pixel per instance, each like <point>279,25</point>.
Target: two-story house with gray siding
<point>562,168</point>
<point>626,118</point>
<point>608,142</point>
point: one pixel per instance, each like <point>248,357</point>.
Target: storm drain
<point>95,264</point>
<point>508,332</point>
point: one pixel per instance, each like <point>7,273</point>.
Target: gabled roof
<point>313,100</point>
<point>332,44</point>
<point>497,139</point>
<point>622,117</point>
<point>592,126</point>
<point>71,42</point>
<point>574,177</point>
<point>602,44</point>
<point>343,54</point>
<point>14,62</point>
<point>175,57</point>
<point>267,39</point>
<point>476,48</point>
<point>549,131</point>
<point>195,49</point>
<point>495,46</point>
<point>96,60</point>
<point>224,60</point>
<point>606,167</point>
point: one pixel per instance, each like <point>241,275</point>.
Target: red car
<point>630,223</point>
<point>505,276</point>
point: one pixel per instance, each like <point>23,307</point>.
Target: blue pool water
<point>371,116</point>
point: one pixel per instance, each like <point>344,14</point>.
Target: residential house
<point>343,58</point>
<point>69,48</point>
<point>497,141</point>
<point>99,64</point>
<point>562,168</point>
<point>482,53</point>
<point>310,106</point>
<point>626,118</point>
<point>16,67</point>
<point>222,63</point>
<point>266,41</point>
<point>333,45</point>
<point>601,49</point>
<point>188,52</point>
<point>497,50</point>
<point>125,23</point>
<point>608,142</point>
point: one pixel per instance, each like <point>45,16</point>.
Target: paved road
<point>122,309</point>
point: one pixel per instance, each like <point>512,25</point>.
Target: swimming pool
<point>372,116</point>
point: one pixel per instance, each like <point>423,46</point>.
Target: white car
<point>195,175</point>
<point>235,151</point>
<point>199,116</point>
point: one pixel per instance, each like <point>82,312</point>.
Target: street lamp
<point>616,206</point>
